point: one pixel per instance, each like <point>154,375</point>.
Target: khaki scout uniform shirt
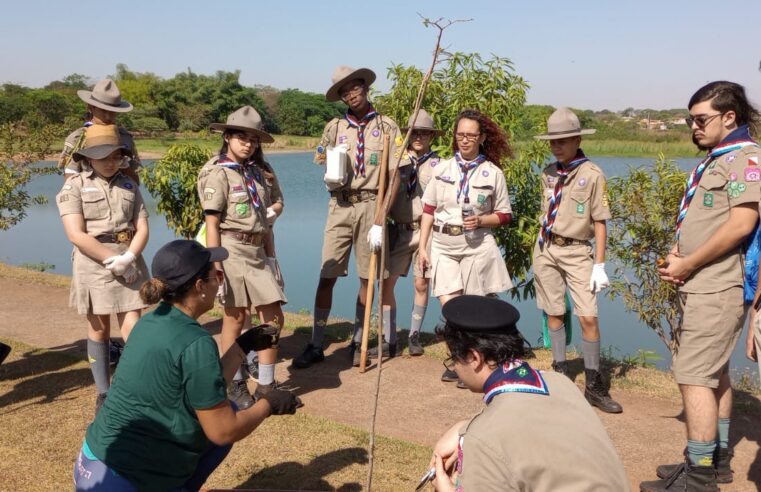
<point>338,131</point>
<point>408,209</point>
<point>107,206</point>
<point>583,202</point>
<point>730,180</point>
<point>525,441</point>
<point>272,191</point>
<point>487,194</point>
<point>224,190</point>
<point>75,141</point>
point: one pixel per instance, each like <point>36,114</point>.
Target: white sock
<point>266,373</point>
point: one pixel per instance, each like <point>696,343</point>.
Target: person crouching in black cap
<point>537,431</point>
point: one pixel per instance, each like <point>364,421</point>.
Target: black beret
<point>478,314</point>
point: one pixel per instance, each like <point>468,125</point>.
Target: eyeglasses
<point>353,91</point>
<point>449,363</point>
<point>466,136</point>
<point>252,139</point>
<point>701,120</point>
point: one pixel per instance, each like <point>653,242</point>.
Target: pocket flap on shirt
<point>580,196</point>
<point>93,196</point>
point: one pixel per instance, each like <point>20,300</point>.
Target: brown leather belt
<point>353,196</point>
<point>116,237</point>
<point>245,238</point>
<point>452,230</point>
<point>566,241</point>
<point>412,226</point>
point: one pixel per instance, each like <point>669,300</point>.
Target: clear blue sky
<point>589,54</point>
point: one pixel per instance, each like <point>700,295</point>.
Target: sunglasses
<point>701,120</point>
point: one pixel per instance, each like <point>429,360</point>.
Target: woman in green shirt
<point>167,423</point>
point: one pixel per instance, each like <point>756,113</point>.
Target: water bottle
<point>467,211</point>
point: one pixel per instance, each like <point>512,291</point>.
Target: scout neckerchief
<point>416,162</point>
<point>467,168</point>
<point>738,139</point>
<point>552,209</point>
<point>359,164</point>
<point>514,377</point>
<point>250,173</point>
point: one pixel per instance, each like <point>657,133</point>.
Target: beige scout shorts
<point>95,290</point>
<point>474,267</point>
<point>347,225</point>
<point>556,267</point>
<point>706,336</point>
<point>250,282</point>
<point>404,253</point>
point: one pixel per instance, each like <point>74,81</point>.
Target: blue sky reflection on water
<point>40,238</point>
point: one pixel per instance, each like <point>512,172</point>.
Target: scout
<point>536,431</point>
<point>464,257</point>
<point>575,207</point>
<point>718,211</point>
<point>351,210</point>
<point>104,217</point>
<point>235,196</point>
<point>103,104</point>
<point>408,186</point>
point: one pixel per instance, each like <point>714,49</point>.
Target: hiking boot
<point>115,350</point>
<point>461,384</point>
<point>252,370</point>
<point>263,389</point>
<point>685,477</point>
<point>311,355</point>
<point>562,368</point>
<point>4,351</point>
<point>721,459</point>
<point>389,350</point>
<point>99,402</point>
<point>414,345</point>
<point>449,376</point>
<point>597,394</point>
<point>238,393</point>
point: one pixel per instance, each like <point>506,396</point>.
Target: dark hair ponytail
<point>155,290</point>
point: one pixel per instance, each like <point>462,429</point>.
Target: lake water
<point>40,238</point>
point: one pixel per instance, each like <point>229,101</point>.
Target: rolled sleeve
<point>140,211</point>
<point>501,197</point>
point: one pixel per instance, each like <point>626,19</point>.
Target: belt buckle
<point>559,241</point>
<point>353,199</point>
<point>455,230</point>
<point>122,237</point>
<point>414,226</point>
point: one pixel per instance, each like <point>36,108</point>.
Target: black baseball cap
<point>479,314</point>
<point>180,260</point>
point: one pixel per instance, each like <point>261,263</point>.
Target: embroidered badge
<point>579,208</point>
<point>320,149</point>
<point>342,139</point>
<point>373,159</point>
<point>434,162</point>
<point>734,189</point>
<point>550,180</point>
<point>398,140</point>
<point>752,174</point>
<point>753,160</point>
<point>582,182</point>
<point>237,188</point>
<point>67,187</point>
<point>63,198</point>
<point>481,199</point>
<point>733,176</point>
<point>376,133</point>
<point>605,201</point>
<point>241,208</point>
<point>485,173</point>
<point>731,158</point>
<point>708,200</point>
<point>128,186</point>
<point>208,193</point>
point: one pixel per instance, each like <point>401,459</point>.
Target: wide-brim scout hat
<point>423,122</point>
<point>100,142</point>
<point>182,259</point>
<point>564,123</point>
<point>245,119</point>
<point>344,74</point>
<point>480,315</point>
<point>105,95</point>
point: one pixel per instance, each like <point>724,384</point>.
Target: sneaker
<point>684,477</point>
<point>238,393</point>
<point>721,460</point>
<point>449,376</point>
<point>115,350</point>
<point>562,368</point>
<point>310,355</point>
<point>4,351</point>
<point>389,350</point>
<point>597,395</point>
<point>414,345</point>
<point>99,402</point>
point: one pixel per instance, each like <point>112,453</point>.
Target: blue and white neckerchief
<point>416,163</point>
<point>251,174</point>
<point>466,168</point>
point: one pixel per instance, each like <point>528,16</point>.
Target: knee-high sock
<point>320,321</point>
<point>99,358</point>
<point>359,318</point>
<point>591,352</point>
<point>557,337</point>
<point>418,314</point>
<point>723,433</point>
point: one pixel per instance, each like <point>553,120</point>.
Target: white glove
<point>131,273</point>
<point>118,264</point>
<point>375,237</point>
<point>222,292</point>
<point>275,267</point>
<point>599,279</point>
<point>271,216</point>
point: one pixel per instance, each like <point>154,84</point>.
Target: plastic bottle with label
<point>468,211</point>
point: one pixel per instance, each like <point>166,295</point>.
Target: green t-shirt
<point>147,430</point>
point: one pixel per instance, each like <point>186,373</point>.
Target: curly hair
<point>497,347</point>
<point>495,146</point>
